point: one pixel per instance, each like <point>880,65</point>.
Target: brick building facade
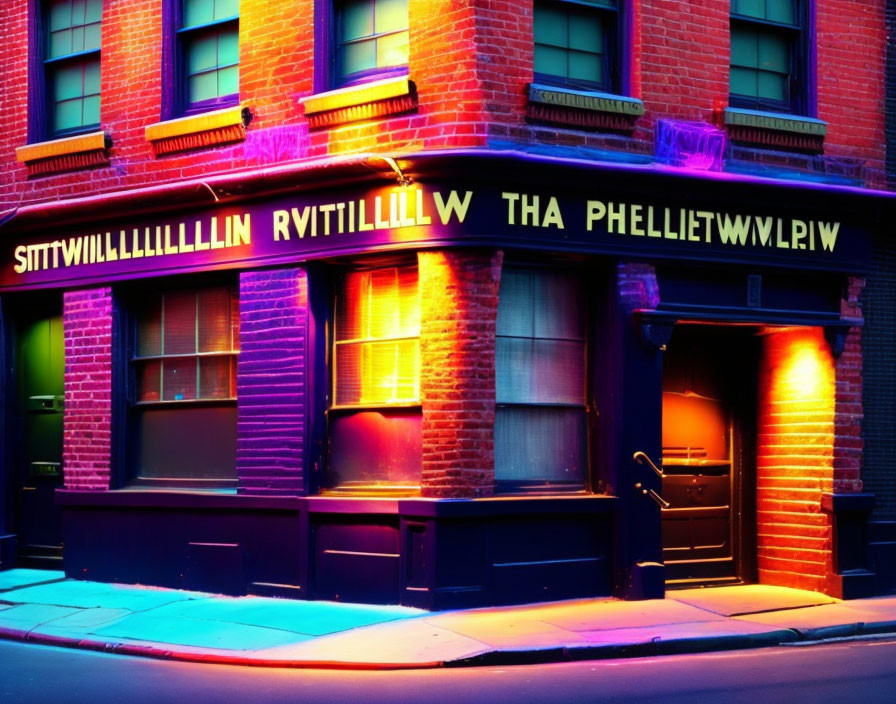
<point>303,301</point>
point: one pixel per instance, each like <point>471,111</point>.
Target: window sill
<point>390,96</point>
<point>80,151</point>
<point>582,108</point>
<point>775,130</point>
<point>196,131</point>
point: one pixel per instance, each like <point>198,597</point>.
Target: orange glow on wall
<point>795,458</point>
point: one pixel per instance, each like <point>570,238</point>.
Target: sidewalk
<point>43,607</point>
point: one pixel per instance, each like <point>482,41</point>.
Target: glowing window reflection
<point>377,349</point>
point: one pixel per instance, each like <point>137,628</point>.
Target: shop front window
<point>184,377</point>
<point>540,381</point>
<point>375,420</point>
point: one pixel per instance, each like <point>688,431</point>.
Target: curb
<point>655,648</point>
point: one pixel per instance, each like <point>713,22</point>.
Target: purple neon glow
<point>692,145</point>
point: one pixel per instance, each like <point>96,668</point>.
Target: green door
<point>40,365</point>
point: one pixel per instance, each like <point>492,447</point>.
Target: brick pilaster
<point>459,306</point>
<point>848,413</point>
<point>271,381</point>
<point>795,458</point>
<point>87,324</point>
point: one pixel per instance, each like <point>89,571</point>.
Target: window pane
<point>550,26</point>
<point>92,36</point>
<point>375,447</point>
<point>203,87</point>
<point>149,379</point>
<point>392,50</point>
<point>744,48</point>
<point>586,33</point>
<point>357,19</point>
<point>540,444</point>
<point>179,379</point>
<point>750,8</point>
<point>226,8</point>
<point>60,14</point>
<point>198,12</point>
<point>78,9</point>
<point>390,15</point>
<point>149,329</point>
<point>228,81</point>
<point>228,48</point>
<point>91,111</point>
<point>772,86</point>
<point>202,54</point>
<point>68,82</point>
<point>377,372</point>
<point>166,447</point>
<point>516,313</point>
<point>744,82</point>
<point>781,11</point>
<point>216,378</point>
<point>68,115</point>
<point>92,78</point>
<point>557,306</point>
<point>60,43</point>
<point>94,11</point>
<point>179,324</point>
<point>77,39</point>
<point>539,371</point>
<point>585,67</point>
<point>773,53</point>
<point>360,56</point>
<point>215,328</point>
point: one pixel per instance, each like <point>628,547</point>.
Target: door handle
<point>660,501</point>
<point>642,458</point>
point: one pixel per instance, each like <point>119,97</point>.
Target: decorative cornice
<point>196,131</point>
<point>583,109</point>
<point>390,96</point>
<point>66,154</point>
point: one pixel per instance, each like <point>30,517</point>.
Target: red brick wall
<point>87,325</point>
<point>471,62</point>
<point>848,411</point>
<point>795,458</point>
<point>851,39</point>
<point>271,385</point>
<point>458,310</point>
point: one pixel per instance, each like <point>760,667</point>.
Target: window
<point>575,44</point>
<point>371,39</point>
<point>375,419</point>
<point>184,379</point>
<point>540,381</point>
<point>72,65</point>
<point>767,45</point>
<point>209,56</point>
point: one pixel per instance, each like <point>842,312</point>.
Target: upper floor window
<point>208,53</point>
<point>540,428</point>
<point>371,39</point>
<point>767,55</point>
<point>72,65</point>
<point>576,43</point>
<point>375,421</point>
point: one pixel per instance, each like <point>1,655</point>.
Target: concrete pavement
<point>43,607</point>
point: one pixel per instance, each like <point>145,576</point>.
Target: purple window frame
<point>326,45</point>
<point>175,102</point>
<point>40,103</point>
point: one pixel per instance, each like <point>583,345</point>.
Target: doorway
<point>39,363</point>
<point>709,411</point>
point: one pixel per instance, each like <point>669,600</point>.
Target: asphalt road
<point>857,671</point>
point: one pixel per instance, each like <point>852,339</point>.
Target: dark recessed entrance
<point>40,365</point>
<point>709,408</point>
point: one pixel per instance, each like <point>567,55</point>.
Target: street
<point>855,671</point>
